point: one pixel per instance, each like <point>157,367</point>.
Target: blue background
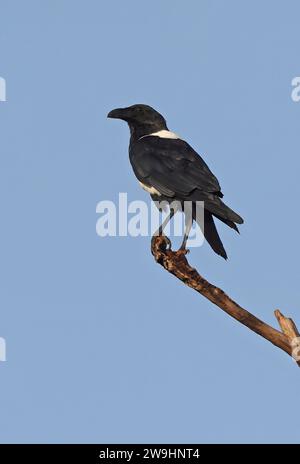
<point>102,344</point>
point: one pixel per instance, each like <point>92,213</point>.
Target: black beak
<point>118,113</point>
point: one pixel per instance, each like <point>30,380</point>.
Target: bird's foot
<point>161,241</point>
<point>168,242</point>
<point>182,251</point>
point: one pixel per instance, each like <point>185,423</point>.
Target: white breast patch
<point>151,190</point>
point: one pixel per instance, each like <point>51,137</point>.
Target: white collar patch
<point>163,134</point>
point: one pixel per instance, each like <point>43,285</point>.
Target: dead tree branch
<point>176,263</point>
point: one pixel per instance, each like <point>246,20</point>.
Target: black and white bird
<point>170,169</point>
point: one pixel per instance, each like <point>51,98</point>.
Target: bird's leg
<point>188,226</point>
<point>165,222</point>
<point>173,210</point>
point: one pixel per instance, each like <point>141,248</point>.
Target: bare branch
<point>177,264</point>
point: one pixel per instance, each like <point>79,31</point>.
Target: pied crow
<point>170,169</point>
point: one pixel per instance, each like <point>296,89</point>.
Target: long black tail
<point>214,207</point>
<point>223,212</point>
<point>211,234</point>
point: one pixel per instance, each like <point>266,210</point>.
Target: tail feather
<point>222,211</point>
<point>211,234</point>
<point>228,223</point>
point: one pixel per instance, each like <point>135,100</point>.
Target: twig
<point>176,263</point>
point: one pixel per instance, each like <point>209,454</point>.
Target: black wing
<point>172,167</point>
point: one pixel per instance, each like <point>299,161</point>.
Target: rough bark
<point>176,263</point>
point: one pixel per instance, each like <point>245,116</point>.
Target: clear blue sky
<point>102,344</point>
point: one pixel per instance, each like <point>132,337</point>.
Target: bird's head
<point>142,119</point>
